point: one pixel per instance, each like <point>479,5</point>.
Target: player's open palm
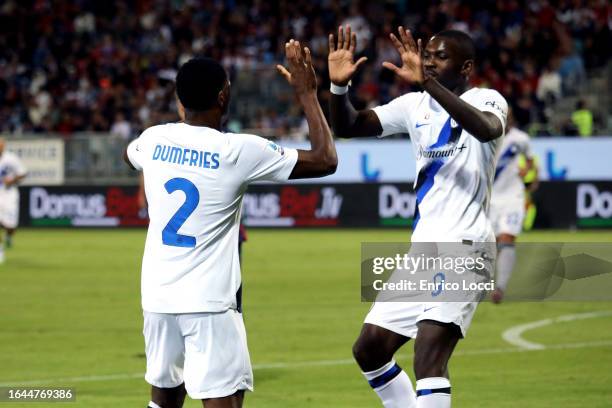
<point>410,52</point>
<point>300,74</point>
<point>341,57</point>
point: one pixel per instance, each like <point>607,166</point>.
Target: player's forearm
<point>342,115</point>
<point>321,140</point>
<point>15,180</point>
<point>482,126</point>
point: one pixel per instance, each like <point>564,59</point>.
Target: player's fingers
<point>340,37</point>
<point>332,44</point>
<point>391,66</point>
<point>419,46</point>
<point>347,37</point>
<point>410,39</point>
<point>353,43</point>
<point>397,43</point>
<point>360,61</point>
<point>298,52</point>
<point>307,56</point>
<point>406,39</point>
<point>290,51</point>
<point>283,71</point>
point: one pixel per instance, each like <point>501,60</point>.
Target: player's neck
<point>460,89</point>
<point>209,119</point>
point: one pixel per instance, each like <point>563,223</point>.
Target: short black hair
<point>465,44</point>
<point>198,83</point>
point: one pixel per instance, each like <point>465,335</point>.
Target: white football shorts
<point>402,317</point>
<point>206,351</point>
<point>507,216</point>
<point>9,208</point>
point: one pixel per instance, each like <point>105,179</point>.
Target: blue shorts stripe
<point>385,377</point>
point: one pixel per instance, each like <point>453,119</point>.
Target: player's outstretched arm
<point>345,119</point>
<point>9,181</point>
<point>485,126</point>
<point>321,160</point>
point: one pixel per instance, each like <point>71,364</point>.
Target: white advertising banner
<point>43,158</point>
<point>393,161</point>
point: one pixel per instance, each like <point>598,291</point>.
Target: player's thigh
<point>217,361</point>
<point>457,315</point>
<point>165,350</point>
<point>433,348</point>
<point>233,401</point>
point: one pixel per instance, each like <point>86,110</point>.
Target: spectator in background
<point>69,66</point>
<point>549,86</point>
<point>583,119</point>
<point>121,127</point>
<point>572,72</point>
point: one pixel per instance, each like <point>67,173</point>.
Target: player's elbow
<point>489,133</point>
<point>329,164</point>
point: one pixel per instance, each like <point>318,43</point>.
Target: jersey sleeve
<point>490,100</point>
<point>394,116</point>
<point>136,151</point>
<point>262,160</point>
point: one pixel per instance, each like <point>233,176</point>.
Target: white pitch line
<point>514,335</point>
<point>301,364</point>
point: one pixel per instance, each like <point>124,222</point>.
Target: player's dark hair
<point>465,44</point>
<point>198,83</point>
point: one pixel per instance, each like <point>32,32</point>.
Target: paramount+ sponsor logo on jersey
<point>439,153</point>
<point>291,206</point>
<point>84,207</point>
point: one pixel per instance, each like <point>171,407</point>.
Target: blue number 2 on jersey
<point>170,235</point>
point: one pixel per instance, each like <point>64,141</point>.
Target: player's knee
<point>360,352</point>
<point>169,397</point>
<point>429,363</point>
<point>370,353</point>
<point>505,239</point>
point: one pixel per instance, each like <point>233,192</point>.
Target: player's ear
<point>180,108</point>
<point>223,97</point>
<point>466,68</point>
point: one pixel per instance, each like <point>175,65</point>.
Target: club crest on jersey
<point>277,148</point>
<point>439,153</point>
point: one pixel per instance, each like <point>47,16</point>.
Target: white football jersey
<point>10,166</point>
<point>507,183</point>
<point>195,178</point>
<point>454,169</point>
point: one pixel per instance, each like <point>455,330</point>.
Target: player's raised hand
<point>341,57</point>
<point>410,52</point>
<point>300,74</point>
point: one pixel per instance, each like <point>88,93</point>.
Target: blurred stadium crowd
<point>86,65</point>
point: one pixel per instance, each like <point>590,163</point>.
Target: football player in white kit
<point>507,209</point>
<point>195,177</point>
<point>454,132</point>
<point>12,171</point>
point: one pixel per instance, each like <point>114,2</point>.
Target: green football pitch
<point>70,317</point>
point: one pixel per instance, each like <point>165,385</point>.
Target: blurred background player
<point>195,339</point>
<point>509,201</point>
<point>12,171</point>
<point>454,130</point>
